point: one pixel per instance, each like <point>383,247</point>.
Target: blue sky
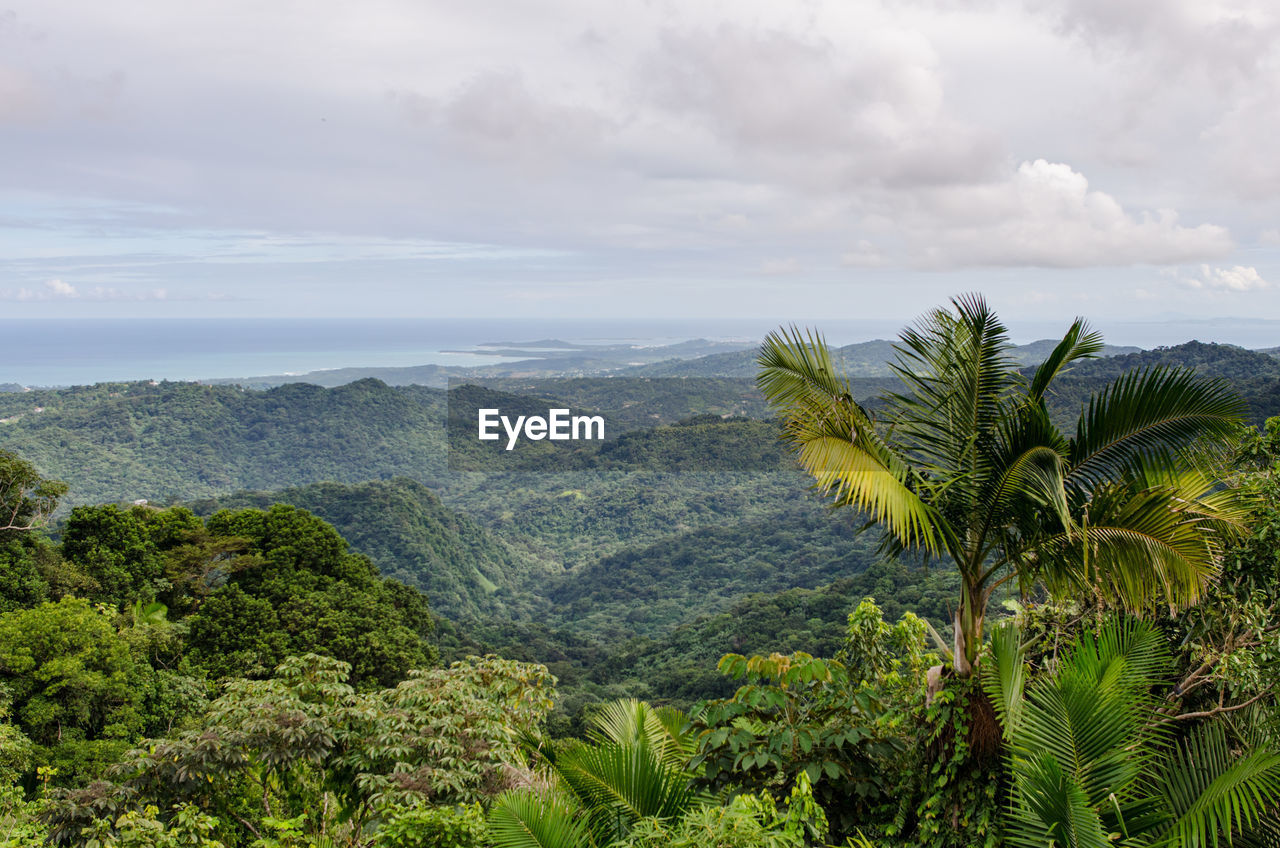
<point>569,158</point>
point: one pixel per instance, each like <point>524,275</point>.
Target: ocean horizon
<point>66,352</point>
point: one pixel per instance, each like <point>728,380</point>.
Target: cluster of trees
<point>121,629</point>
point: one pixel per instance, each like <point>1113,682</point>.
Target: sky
<point>692,158</point>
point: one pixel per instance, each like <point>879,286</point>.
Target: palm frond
<point>855,477</point>
<point>1029,479</point>
<point>1050,809</point>
<point>627,721</point>
<point>957,371</point>
<point>1139,645</point>
<point>525,818</point>
<point>1078,343</point>
<point>796,367</point>
<point>1090,712</point>
<point>1150,413</point>
<point>1156,539</point>
<point>1215,794</point>
<point>1084,739</point>
<point>1004,676</point>
<point>836,440</point>
<point>619,784</point>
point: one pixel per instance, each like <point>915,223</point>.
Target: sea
<point>65,352</point>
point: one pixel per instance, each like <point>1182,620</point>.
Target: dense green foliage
<point>412,537</point>
<point>1254,375</point>
<point>119,631</point>
<point>80,691</point>
<point>305,744</point>
<point>171,441</point>
<point>304,593</point>
<point>258,669</point>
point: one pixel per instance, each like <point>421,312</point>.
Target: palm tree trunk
<point>968,628</point>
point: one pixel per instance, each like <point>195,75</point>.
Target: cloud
<point>58,290</point>
<point>1238,278</point>
<point>781,267</point>
<point>1186,75</point>
<point>863,255</point>
<point>816,113</point>
<point>310,151</point>
<point>495,115</point>
<point>1224,38</point>
<point>1045,215</point>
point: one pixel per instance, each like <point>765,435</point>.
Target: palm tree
<point>633,766</point>
<point>967,464</point>
<point>1093,762</point>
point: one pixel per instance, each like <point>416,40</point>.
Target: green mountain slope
<point>414,538</point>
<point>1255,375</point>
<point>680,665</point>
<point>173,441</point>
<point>646,590</point>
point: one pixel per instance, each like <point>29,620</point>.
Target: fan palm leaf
<point>628,721</point>
<point>1081,739</point>
<point>1004,678</point>
<point>619,784</point>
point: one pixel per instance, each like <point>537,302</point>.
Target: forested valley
<point>950,592</point>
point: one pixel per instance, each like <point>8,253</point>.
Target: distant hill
<point>860,360</point>
<point>1033,353</point>
<point>166,442</point>
<point>169,441</point>
<point>865,359</point>
<point>524,360</point>
<point>680,665</point>
<point>1255,375</point>
<point>411,536</point>
<point>649,589</point>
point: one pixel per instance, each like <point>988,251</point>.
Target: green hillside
<point>175,441</point>
<point>646,590</point>
<point>1256,376</point>
<point>414,538</point>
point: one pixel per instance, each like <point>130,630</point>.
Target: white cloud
<point>811,112</point>
<point>1044,214</point>
<point>58,290</point>
<point>1238,278</point>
